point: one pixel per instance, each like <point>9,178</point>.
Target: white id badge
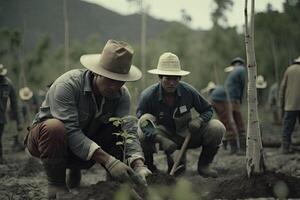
<point>182,109</point>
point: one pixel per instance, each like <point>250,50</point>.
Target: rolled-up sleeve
<point>63,107</point>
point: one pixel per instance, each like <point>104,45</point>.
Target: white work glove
<point>118,169</point>
<point>195,124</point>
<point>142,171</point>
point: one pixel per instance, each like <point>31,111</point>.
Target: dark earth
<point>22,177</point>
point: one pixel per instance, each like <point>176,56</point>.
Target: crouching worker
<point>72,128</point>
<point>164,112</point>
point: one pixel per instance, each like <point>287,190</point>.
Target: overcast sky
<point>198,9</point>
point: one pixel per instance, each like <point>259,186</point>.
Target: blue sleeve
<point>142,105</point>
<point>202,106</point>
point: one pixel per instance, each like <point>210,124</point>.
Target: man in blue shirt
<point>72,129</point>
<point>234,86</point>
<point>167,106</point>
<point>7,92</point>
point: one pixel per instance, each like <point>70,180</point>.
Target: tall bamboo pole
<point>254,152</point>
<point>143,42</point>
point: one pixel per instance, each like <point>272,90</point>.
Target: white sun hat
<point>3,70</point>
<point>260,82</point>
<point>168,64</point>
<point>25,93</point>
<point>211,85</point>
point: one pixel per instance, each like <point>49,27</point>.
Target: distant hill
<point>40,17</point>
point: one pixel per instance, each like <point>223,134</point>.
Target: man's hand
<point>118,169</point>
<point>195,124</point>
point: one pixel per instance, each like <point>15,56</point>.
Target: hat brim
<point>24,97</point>
<point>261,85</point>
<point>297,60</point>
<point>168,73</point>
<point>91,62</point>
<point>4,72</point>
<point>229,68</point>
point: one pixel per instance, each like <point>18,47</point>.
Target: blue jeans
<point>289,121</point>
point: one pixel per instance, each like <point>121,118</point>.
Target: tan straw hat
<point>260,82</point>
<point>114,62</point>
<point>3,70</point>
<point>228,69</point>
<point>168,64</point>
<point>25,93</point>
<point>297,60</point>
<point>211,85</point>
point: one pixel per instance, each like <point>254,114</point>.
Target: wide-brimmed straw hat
<point>114,62</point>
<point>3,70</point>
<point>168,64</point>
<point>260,82</point>
<point>25,93</point>
<point>297,60</point>
<point>210,86</point>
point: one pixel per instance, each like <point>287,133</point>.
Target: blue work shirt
<point>187,97</point>
<point>70,99</point>
<point>235,83</point>
<point>218,94</point>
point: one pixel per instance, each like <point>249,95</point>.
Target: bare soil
<point>22,177</point>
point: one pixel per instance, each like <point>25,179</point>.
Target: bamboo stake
<point>254,152</point>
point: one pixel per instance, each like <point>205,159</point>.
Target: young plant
<point>125,135</point>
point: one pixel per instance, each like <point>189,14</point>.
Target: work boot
<point>17,146</point>
<point>285,147</point>
<point>242,141</point>
<point>224,144</point>
<point>73,178</point>
<point>56,174</point>
<point>206,157</point>
<point>233,146</point>
<point>166,144</point>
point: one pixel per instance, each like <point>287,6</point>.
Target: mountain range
<point>37,18</point>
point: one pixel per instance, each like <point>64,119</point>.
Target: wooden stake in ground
<point>254,152</point>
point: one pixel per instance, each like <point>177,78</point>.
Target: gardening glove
<point>195,124</point>
<point>143,172</point>
<point>118,169</point>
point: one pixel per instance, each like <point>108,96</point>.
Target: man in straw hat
<point>166,106</point>
<point>234,86</point>
<point>261,84</point>
<point>72,129</point>
<point>289,98</point>
<point>7,92</point>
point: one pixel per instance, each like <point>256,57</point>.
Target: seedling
<point>125,135</point>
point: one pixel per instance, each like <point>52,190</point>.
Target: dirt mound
<point>269,184</point>
<point>106,190</point>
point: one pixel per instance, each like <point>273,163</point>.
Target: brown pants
<point>48,140</point>
<point>223,112</point>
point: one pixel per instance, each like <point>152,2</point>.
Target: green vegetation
<point>204,53</point>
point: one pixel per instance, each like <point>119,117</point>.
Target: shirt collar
<point>87,88</point>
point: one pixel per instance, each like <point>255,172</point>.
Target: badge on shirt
<point>182,109</point>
